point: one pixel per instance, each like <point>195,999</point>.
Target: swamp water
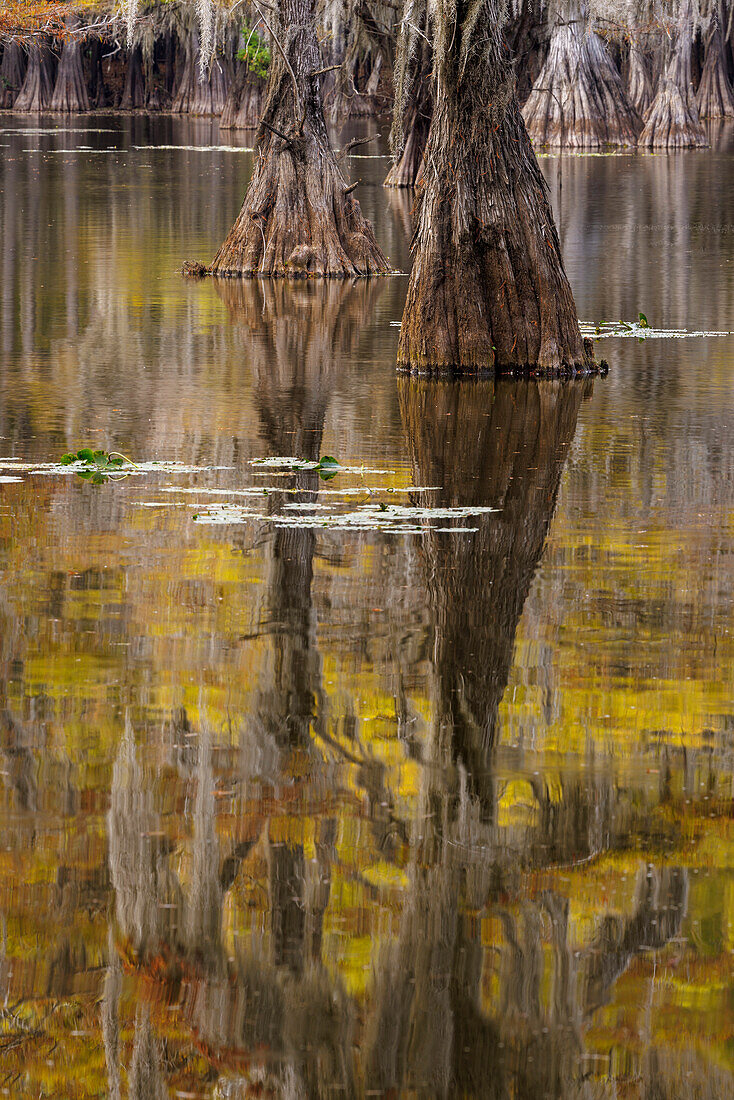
<point>416,780</point>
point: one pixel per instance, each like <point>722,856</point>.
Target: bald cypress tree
<point>488,288</point>
<point>299,217</point>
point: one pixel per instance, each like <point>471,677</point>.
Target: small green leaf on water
<point>328,467</point>
<point>85,455</point>
<point>642,320</point>
<point>67,459</point>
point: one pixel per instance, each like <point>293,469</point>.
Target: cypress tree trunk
<point>70,93</point>
<point>639,85</point>
<point>197,95</point>
<point>366,104</point>
<point>210,93</point>
<point>97,91</point>
<point>488,288</point>
<point>244,103</point>
<point>673,122</point>
<point>578,99</point>
<point>299,216</point>
<point>38,86</point>
<point>715,98</point>
<point>12,72</point>
<point>133,96</point>
<point>406,170</point>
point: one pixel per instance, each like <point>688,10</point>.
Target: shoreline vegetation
<point>87,57</point>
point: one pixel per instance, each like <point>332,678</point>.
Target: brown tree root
<point>299,217</point>
<point>578,100</point>
<point>38,86</point>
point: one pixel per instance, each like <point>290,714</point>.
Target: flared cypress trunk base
<point>406,171</point>
<point>134,93</point>
<point>201,95</point>
<point>488,290</point>
<point>639,85</point>
<point>70,93</point>
<point>578,100</point>
<point>12,72</point>
<point>715,96</point>
<point>299,217</point>
<point>244,105</point>
<point>38,85</point>
<point>672,122</point>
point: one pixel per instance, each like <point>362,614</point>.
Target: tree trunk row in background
<point>579,89</point>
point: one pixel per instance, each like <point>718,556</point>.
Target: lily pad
<point>639,330</point>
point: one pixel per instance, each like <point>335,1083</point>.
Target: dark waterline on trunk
<point>456,800</point>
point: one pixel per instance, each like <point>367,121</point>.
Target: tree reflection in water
<point>478,987</point>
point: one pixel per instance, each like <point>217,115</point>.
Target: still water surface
<point>414,782</point>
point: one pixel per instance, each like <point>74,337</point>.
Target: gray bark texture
<point>133,96</point>
<point>488,289</point>
<point>578,99</point>
<point>405,172</point>
<point>715,97</point>
<point>199,95</point>
<point>70,93</point>
<point>639,84</point>
<point>673,121</point>
<point>38,86</point>
<point>244,104</point>
<point>12,72</point>
<point>299,217</point>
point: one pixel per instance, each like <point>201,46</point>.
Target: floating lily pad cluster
<point>641,329</point>
<point>96,465</point>
<point>327,466</point>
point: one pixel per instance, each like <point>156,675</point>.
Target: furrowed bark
<point>639,85</point>
<point>406,170</point>
<point>97,91</point>
<point>673,121</point>
<point>197,95</point>
<point>578,99</point>
<point>715,97</point>
<point>299,217</point>
<point>244,104</point>
<point>12,72</point>
<point>133,96</point>
<point>70,93</point>
<point>38,86</point>
<point>488,288</point>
